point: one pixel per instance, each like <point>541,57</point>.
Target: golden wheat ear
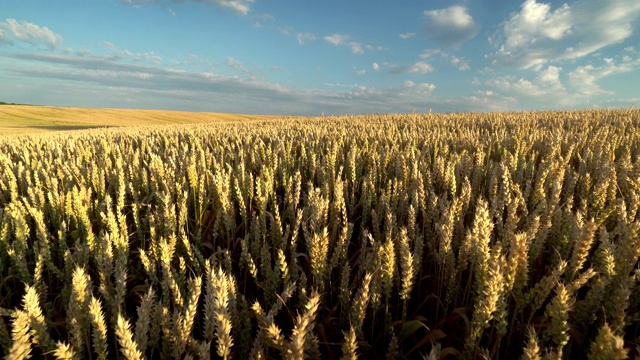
<point>99,327</point>
<point>64,351</point>
<point>20,337</point>
<point>128,347</point>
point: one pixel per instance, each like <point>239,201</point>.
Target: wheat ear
<point>64,351</point>
<point>532,350</point>
<point>143,323</point>
<point>39,330</point>
<point>20,337</point>
<point>99,328</point>
<point>303,327</point>
<point>607,345</point>
<point>128,346</point>
<point>350,345</point>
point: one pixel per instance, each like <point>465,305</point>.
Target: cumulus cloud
<point>579,88</point>
<point>345,40</point>
<point>450,26</point>
<point>27,32</point>
<point>240,6</point>
<point>546,85</point>
<point>538,34</point>
<point>584,78</point>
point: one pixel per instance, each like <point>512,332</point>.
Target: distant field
<point>23,119</point>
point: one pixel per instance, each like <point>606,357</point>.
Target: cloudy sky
<point>331,56</point>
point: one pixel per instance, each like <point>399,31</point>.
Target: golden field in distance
<point>28,119</point>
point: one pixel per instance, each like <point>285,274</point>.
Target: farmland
<point>476,235</point>
<point>26,119</point>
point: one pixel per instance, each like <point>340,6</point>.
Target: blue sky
<point>309,57</point>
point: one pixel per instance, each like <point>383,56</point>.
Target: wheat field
<point>27,119</point>
<point>435,236</point>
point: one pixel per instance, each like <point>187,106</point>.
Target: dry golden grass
<point>27,119</point>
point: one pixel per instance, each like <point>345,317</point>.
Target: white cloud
<point>461,63</point>
<point>240,67</point>
<point>419,67</point>
<point>518,86</point>
<point>421,88</point>
<point>427,53</point>
<point>512,84</point>
<point>538,34</point>
<point>233,63</point>
<point>584,78</point>
<point>261,19</point>
<point>375,66</point>
<point>304,37</point>
<point>4,38</point>
<point>240,6</point>
<point>546,88</point>
<point>426,87</point>
<point>345,40</point>
<point>285,30</point>
<point>336,39</point>
<point>30,33</point>
<point>121,54</point>
<point>361,72</point>
<point>551,76</point>
<point>450,26</point>
<point>578,88</point>
<point>408,35</point>
<point>356,48</point>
